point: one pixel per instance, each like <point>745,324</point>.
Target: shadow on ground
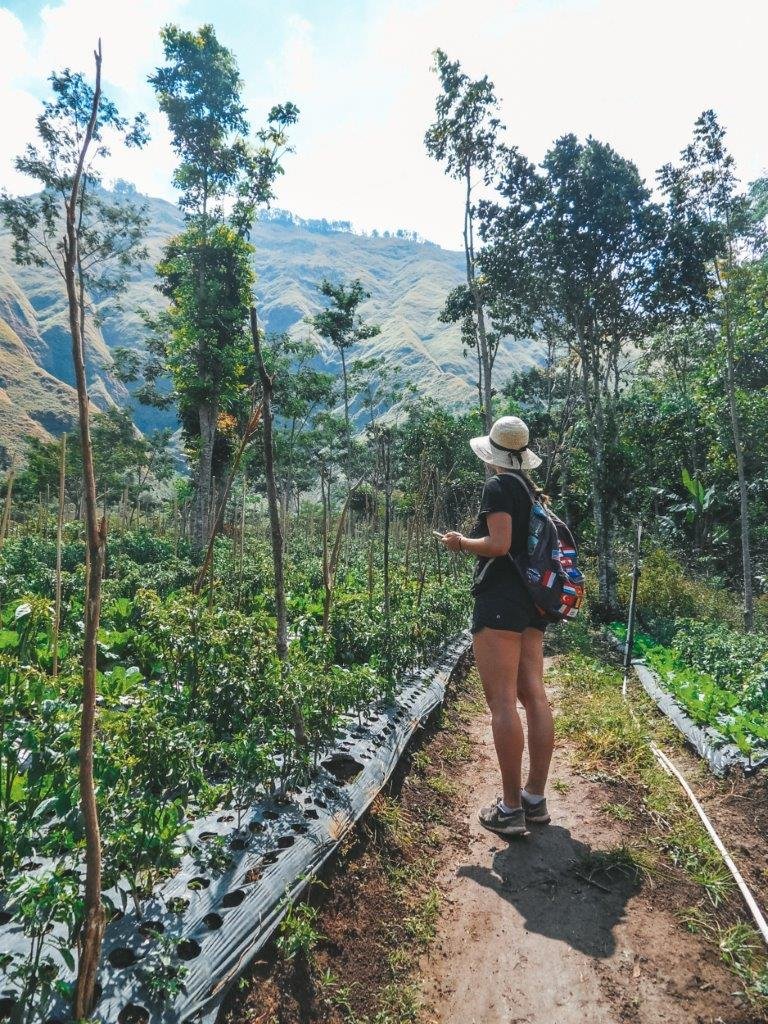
<point>544,877</point>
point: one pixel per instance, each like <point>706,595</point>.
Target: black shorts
<point>506,609</point>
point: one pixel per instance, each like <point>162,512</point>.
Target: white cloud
<point>129,33</point>
<point>14,59</point>
<point>19,107</point>
<point>296,68</point>
<point>68,34</point>
<point>635,73</point>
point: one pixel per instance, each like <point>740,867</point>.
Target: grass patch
<point>619,811</point>
<point>442,786</point>
<point>634,863</point>
<point>422,923</point>
<point>390,823</point>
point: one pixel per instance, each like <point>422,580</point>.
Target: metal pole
<point>632,606</point>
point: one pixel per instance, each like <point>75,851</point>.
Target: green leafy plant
<point>298,935</point>
<point>38,902</point>
<point>162,971</point>
<point>731,701</point>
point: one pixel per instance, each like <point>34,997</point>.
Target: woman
<point>507,630</point>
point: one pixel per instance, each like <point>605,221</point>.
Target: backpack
<point>548,566</point>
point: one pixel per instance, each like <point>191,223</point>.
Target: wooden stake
<point>6,523</point>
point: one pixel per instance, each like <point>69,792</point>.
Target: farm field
<point>196,711</point>
<point>358,402</point>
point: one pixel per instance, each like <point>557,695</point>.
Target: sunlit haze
<point>634,74</point>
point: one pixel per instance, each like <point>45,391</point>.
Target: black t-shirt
<point>505,492</point>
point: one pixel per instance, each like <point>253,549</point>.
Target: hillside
<point>408,281</point>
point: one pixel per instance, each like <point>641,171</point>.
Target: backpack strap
<point>521,479</point>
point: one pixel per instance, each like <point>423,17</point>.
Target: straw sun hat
<point>506,445</point>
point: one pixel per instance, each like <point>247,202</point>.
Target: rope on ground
<point>749,899</point>
<point>672,769</point>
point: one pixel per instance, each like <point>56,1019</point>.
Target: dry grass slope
<point>408,282</point>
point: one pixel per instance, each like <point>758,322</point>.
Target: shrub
<point>668,591</point>
<point>736,661</point>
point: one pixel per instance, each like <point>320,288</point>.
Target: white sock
<point>506,809</point>
<point>532,798</point>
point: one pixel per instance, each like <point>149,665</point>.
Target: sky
<point>634,73</point>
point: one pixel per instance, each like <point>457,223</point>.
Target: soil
<point>738,808</point>
<point>531,931</point>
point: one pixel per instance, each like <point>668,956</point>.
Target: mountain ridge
<point>407,279</point>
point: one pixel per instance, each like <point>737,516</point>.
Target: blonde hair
<point>538,491</point>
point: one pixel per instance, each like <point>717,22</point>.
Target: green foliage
<point>41,902</point>
<point>202,340</point>
<point>161,969</point>
<point>195,709</point>
<point>668,591</point>
<point>127,464</point>
<point>342,325</point>
<point>199,90</point>
<point>464,133</point>
<point>109,233</point>
<point>736,660</point>
<point>298,935</point>
<point>719,676</point>
<point>206,273</point>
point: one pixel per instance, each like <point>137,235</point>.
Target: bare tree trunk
<point>93,924</point>
<point>175,525</point>
<point>347,427</point>
<point>601,506</point>
<point>208,416</point>
<point>387,467</point>
<point>606,565</point>
<point>273,501</point>
<point>217,517</point>
<point>370,572</point>
<point>738,450</point>
<point>331,561</point>
<point>484,355</point>
<point>59,534</point>
<point>276,532</point>
<point>240,561</point>
<point>6,522</point>
<point>408,540</point>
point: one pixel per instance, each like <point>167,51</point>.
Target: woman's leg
<point>533,697</point>
<point>497,654</point>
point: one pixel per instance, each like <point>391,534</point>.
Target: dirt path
<point>524,937</point>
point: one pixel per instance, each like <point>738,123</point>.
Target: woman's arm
<point>496,544</point>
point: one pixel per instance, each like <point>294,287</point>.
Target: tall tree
<point>301,393</point>
<point>342,325</point>
<point>704,194</point>
<point>378,385</point>
<point>205,340</point>
<point>596,245</point>
<point>261,169</point>
<point>200,91</point>
<point>92,241</point>
<point>464,138</point>
<point>204,271</point>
